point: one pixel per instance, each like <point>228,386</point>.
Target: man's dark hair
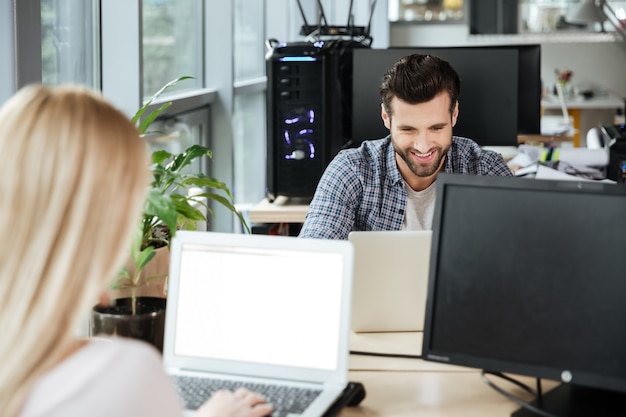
<point>419,78</point>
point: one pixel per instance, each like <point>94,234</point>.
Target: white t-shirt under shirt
<point>107,377</point>
<point>420,208</point>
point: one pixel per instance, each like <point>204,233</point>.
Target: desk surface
<point>281,210</point>
<point>433,394</point>
<point>397,387</point>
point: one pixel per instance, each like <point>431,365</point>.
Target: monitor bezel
<point>582,378</point>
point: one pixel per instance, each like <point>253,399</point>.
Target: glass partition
<point>546,16</point>
<point>172,36</point>
<point>425,11</point>
<point>70,45</point>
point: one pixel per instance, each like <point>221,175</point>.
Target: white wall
<point>597,65</point>
<point>336,12</point>
<point>407,35</point>
<point>601,66</point>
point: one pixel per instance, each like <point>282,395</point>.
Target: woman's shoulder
<point>110,354</point>
<point>114,373</point>
<point>118,357</point>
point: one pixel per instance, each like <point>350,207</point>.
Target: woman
<point>74,178</point>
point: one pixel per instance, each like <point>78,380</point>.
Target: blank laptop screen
<point>233,300</point>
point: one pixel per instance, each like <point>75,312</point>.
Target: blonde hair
<point>72,183</point>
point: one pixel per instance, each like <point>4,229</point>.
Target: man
<point>389,184</point>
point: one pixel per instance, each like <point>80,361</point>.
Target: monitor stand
<point>568,400</point>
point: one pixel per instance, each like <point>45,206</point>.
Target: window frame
<point>121,63</point>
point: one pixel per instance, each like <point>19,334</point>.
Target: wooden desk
<point>544,139</point>
<point>432,394</point>
<point>412,387</point>
<point>279,211</point>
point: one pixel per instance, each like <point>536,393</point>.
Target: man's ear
<point>385,116</point>
<point>455,114</point>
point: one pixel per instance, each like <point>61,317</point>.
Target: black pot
<point>147,324</point>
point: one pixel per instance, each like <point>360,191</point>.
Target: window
<point>436,11</point>
<point>249,103</point>
<point>250,148</point>
<point>69,42</point>
<point>172,43</point>
<point>130,49</point>
<point>249,34</point>
<point>180,132</point>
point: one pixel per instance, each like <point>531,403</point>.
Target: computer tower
<point>309,102</point>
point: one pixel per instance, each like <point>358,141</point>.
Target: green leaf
<point>161,205</point>
<point>202,180</point>
<point>227,203</point>
<point>187,224</point>
<point>159,156</point>
<point>157,112</point>
<point>145,256</point>
<point>147,121</point>
<point>122,276</point>
<point>185,209</point>
<point>187,157</point>
<point>165,208</point>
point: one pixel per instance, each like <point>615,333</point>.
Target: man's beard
<point>422,169</point>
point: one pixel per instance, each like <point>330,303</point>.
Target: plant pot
<point>148,324</point>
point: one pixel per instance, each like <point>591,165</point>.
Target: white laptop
<point>390,280</point>
<point>259,309</point>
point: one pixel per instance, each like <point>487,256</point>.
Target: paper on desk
<point>584,156</point>
<point>546,173</point>
<point>556,125</point>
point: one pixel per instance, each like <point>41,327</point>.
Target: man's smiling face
<point>421,135</point>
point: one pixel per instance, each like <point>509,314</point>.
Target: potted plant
<point>139,292</point>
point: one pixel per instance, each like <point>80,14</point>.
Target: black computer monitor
<point>500,91</point>
<point>529,277</point>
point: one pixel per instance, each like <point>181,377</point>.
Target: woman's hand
<point>241,403</point>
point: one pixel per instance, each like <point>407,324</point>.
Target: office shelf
<point>552,37</point>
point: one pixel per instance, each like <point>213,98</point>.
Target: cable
<point>521,402</point>
<point>349,24</point>
<point>322,15</point>
<point>511,380</point>
<point>313,36</point>
<point>270,44</point>
<point>385,355</point>
<point>369,23</point>
<point>306,25</point>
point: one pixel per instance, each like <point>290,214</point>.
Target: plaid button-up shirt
<point>362,189</point>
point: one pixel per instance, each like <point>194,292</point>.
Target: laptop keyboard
<point>286,400</point>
